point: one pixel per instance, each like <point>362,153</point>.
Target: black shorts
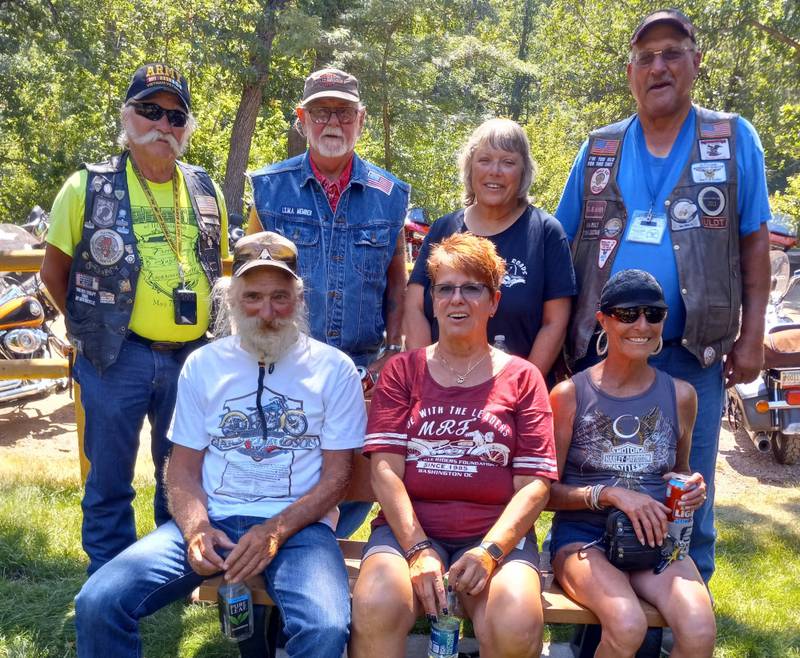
<point>382,540</point>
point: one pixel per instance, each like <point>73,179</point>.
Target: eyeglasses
<point>322,115</point>
<point>153,112</point>
<point>469,291</point>
<point>653,314</point>
<point>670,55</point>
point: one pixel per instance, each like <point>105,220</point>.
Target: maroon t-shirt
<point>462,445</point>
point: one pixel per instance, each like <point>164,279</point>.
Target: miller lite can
<point>679,520</point>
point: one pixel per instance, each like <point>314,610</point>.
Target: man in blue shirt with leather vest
<point>679,191</point>
<point>346,217</point>
<point>134,248</point>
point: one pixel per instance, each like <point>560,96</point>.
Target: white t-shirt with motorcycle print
<point>260,461</point>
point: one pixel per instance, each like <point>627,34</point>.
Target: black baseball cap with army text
<point>154,77</point>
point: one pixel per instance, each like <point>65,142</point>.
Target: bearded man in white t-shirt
<point>265,425</point>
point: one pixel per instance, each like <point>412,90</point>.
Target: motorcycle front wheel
<point>785,447</point>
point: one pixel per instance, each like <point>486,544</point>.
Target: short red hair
<point>470,254</point>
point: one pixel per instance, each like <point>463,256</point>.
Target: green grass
<point>42,566</point>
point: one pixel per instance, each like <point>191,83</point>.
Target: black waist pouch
<point>622,548</point>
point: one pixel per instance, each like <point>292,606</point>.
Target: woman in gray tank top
<point>622,429</point>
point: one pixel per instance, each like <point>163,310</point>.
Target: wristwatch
<point>494,551</point>
<point>393,348</point>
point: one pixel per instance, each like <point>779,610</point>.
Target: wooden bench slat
<point>558,608</point>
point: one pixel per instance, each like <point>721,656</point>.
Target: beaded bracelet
<point>416,548</point>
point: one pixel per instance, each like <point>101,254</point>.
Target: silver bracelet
<point>596,491</point>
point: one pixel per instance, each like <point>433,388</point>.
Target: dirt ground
<point>45,430</point>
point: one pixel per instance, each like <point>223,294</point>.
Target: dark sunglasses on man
<point>629,315</point>
<point>154,112</point>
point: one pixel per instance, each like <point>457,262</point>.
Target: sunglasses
<point>669,55</point>
<point>469,291</point>
<point>153,112</point>
<point>321,115</point>
<point>653,314</point>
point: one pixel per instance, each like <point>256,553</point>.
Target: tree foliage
<point>430,72</point>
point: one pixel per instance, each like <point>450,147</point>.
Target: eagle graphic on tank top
<point>628,446</point>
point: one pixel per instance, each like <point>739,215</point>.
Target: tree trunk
<point>521,81</point>
<point>295,142</point>
<point>241,139</point>
<point>249,106</point>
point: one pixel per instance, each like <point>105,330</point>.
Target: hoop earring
<point>602,343</point>
<point>660,346</point>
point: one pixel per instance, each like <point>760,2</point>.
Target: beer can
<point>680,521</point>
<point>367,378</point>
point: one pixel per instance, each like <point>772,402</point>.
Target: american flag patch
<point>379,181</point>
<point>604,147</point>
<point>716,129</point>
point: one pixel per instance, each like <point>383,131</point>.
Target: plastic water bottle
<point>500,343</point>
<point>235,604</point>
<point>446,629</point>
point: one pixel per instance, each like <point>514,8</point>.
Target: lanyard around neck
<point>653,187</point>
<point>174,243</point>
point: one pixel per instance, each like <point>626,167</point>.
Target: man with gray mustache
<point>134,248</point>
<point>346,217</point>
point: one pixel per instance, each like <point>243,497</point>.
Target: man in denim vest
<point>346,217</point>
<point>680,191</point>
<point>134,248</point>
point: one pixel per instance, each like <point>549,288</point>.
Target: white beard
<point>267,342</point>
<point>328,150</point>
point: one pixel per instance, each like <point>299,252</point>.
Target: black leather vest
<point>106,262</point>
<point>703,222</point>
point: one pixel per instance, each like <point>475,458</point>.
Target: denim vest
<point>106,262</point>
<point>343,256</point>
<point>705,239</point>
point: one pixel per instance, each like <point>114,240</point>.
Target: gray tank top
<point>621,442</point>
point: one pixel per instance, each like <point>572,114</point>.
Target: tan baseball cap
<point>265,249</point>
<point>330,83</point>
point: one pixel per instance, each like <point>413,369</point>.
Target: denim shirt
<point>342,257</point>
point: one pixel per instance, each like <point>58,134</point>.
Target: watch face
<point>494,551</point>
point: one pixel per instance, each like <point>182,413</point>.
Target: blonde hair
<point>503,134</point>
<point>470,254</point>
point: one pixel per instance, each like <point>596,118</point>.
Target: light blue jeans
<point>709,385</point>
<point>307,580</point>
<point>141,383</point>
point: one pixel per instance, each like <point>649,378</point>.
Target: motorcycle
<point>417,225</point>
<point>769,407</point>
<point>27,315</point>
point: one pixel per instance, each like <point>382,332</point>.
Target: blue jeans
<point>142,382</point>
<point>307,580</point>
<point>708,383</point>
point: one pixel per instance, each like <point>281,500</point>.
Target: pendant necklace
<point>460,379</point>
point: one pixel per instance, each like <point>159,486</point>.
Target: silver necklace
<point>460,379</point>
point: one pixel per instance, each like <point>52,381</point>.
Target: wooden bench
<point>557,606</point>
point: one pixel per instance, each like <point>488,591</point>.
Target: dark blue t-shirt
<point>538,269</point>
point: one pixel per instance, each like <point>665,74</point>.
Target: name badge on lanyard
<point>647,227</point>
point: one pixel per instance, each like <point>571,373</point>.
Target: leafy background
<point>430,71</point>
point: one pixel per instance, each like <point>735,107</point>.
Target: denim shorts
<point>382,540</point>
<point>571,532</point>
